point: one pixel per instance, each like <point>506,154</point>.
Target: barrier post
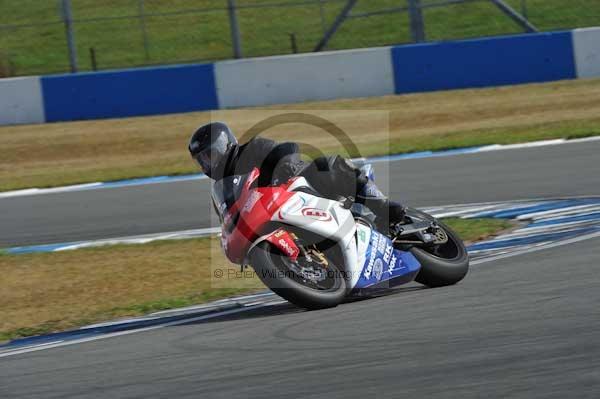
<point>93,60</point>
<point>67,16</point>
<point>417,26</point>
<point>293,43</point>
<point>235,29</point>
<point>142,17</point>
<point>336,24</point>
<point>322,15</point>
<point>515,16</point>
<point>524,11</point>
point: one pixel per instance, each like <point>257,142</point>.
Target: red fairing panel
<point>257,207</point>
<point>285,242</point>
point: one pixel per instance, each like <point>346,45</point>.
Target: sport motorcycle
<point>315,252</point>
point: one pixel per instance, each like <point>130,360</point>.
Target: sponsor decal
<point>372,255</point>
<point>381,244</point>
<point>383,259</point>
<point>252,200</point>
<point>374,242</point>
<point>389,250</point>
<point>362,235</point>
<point>395,264</point>
<point>392,264</point>
<point>285,242</point>
<point>378,269</point>
<point>369,268</point>
<point>317,214</point>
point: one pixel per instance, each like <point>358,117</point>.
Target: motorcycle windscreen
<point>382,265</point>
<point>226,191</point>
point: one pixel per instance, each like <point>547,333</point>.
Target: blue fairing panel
<point>385,266</point>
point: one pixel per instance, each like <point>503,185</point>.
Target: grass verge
<point>191,34</point>
<point>44,293</point>
<point>69,153</point>
<point>471,230</point>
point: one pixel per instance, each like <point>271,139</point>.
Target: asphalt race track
<point>522,327</point>
<point>551,171</point>
<point>526,326</point>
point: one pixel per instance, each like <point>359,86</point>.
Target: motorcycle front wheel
<point>311,282</point>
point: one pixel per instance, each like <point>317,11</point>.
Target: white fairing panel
<point>363,234</point>
<point>353,268</point>
<point>319,215</point>
<point>326,218</point>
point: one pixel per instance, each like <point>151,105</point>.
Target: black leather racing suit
<point>332,176</point>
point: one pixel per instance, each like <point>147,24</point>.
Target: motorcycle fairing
<point>247,217</point>
<point>327,218</point>
<point>381,264</point>
<point>322,216</point>
<point>369,257</point>
<point>283,240</point>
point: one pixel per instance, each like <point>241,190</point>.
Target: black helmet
<point>211,146</point>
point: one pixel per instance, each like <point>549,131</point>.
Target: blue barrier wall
<point>496,61</point>
<point>135,92</point>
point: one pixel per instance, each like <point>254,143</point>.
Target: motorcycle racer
<point>216,150</point>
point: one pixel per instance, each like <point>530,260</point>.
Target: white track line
<point>142,239</point>
<point>50,345</point>
<point>488,148</point>
<point>38,191</point>
<point>557,213</point>
<point>530,250</point>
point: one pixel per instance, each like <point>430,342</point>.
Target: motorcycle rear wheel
<point>446,264</point>
<point>270,266</point>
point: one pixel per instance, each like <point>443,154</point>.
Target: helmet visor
<point>209,147</point>
<point>203,160</point>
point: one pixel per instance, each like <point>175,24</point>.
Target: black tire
<point>439,271</point>
<point>263,259</point>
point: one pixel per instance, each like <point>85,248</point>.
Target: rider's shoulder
<point>259,142</point>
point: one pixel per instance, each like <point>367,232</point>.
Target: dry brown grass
<point>60,290</point>
<point>41,293</point>
<point>67,153</point>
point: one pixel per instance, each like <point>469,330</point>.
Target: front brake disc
<point>440,236</point>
